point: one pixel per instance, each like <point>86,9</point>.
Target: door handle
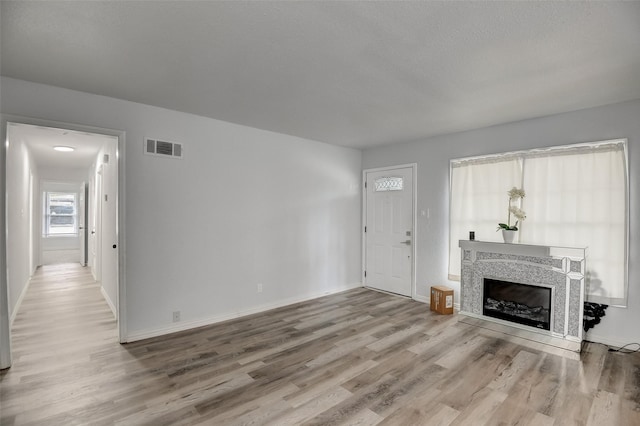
<point>407,242</point>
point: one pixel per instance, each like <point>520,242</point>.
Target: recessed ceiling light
<point>64,148</point>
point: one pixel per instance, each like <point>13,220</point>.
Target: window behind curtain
<point>478,201</point>
<point>60,214</point>
<point>575,196</point>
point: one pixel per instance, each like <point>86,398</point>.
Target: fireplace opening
<point>521,303</point>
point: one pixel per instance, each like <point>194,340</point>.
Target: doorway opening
<point>70,212</point>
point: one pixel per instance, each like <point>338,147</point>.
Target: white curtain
<point>578,199</point>
<point>479,201</point>
<point>576,196</point>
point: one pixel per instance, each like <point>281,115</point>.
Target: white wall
<point>243,207</point>
<point>65,174</point>
<point>20,172</point>
<point>5,338</point>
<point>620,325</point>
<point>93,260</point>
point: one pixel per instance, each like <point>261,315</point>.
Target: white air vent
<point>162,148</point>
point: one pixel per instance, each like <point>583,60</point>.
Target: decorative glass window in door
<point>389,183</point>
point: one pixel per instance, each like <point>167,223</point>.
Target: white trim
<point>5,322</point>
<point>414,231</point>
<point>627,225</point>
<point>531,152</point>
<point>19,303</point>
<point>187,325</point>
<point>109,302</point>
<point>422,299</point>
<point>605,340</point>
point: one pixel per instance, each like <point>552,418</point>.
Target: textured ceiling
<point>41,140</point>
<point>355,74</point>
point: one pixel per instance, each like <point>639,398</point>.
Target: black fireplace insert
<point>520,303</point>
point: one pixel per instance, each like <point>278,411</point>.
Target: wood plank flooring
<point>358,357</point>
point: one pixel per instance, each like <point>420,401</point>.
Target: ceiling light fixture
<point>64,148</point>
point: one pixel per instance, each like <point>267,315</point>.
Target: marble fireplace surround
<point>561,268</point>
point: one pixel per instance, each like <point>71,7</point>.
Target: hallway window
<point>60,214</point>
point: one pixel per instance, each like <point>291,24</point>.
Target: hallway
<point>63,323</point>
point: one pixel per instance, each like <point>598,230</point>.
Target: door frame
<point>414,211</point>
<point>121,318</point>
<point>84,238</point>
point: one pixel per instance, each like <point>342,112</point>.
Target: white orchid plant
<point>514,195</point>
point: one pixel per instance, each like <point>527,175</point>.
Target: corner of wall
<point>109,302</point>
<point>16,308</point>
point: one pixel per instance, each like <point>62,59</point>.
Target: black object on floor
<point>592,314</point>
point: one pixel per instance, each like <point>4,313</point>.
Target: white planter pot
<point>508,236</point>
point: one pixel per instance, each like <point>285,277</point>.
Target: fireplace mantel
<point>562,268</point>
<point>523,249</point>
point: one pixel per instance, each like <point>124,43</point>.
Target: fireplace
<point>520,303</point>
<point>539,290</point>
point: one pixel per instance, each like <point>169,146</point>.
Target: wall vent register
<point>162,148</point>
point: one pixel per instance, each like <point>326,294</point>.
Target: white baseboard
<point>16,308</point>
<point>187,325</point>
<point>606,340</point>
<point>109,302</point>
<point>421,299</point>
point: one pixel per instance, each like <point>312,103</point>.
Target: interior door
<point>82,222</point>
<point>95,225</point>
<point>109,228</point>
<point>389,230</point>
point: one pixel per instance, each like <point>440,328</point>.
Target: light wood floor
<point>359,357</point>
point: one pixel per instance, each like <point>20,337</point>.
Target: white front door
<point>389,233</point>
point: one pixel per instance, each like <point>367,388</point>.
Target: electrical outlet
<point>176,316</point>
<point>259,287</point>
